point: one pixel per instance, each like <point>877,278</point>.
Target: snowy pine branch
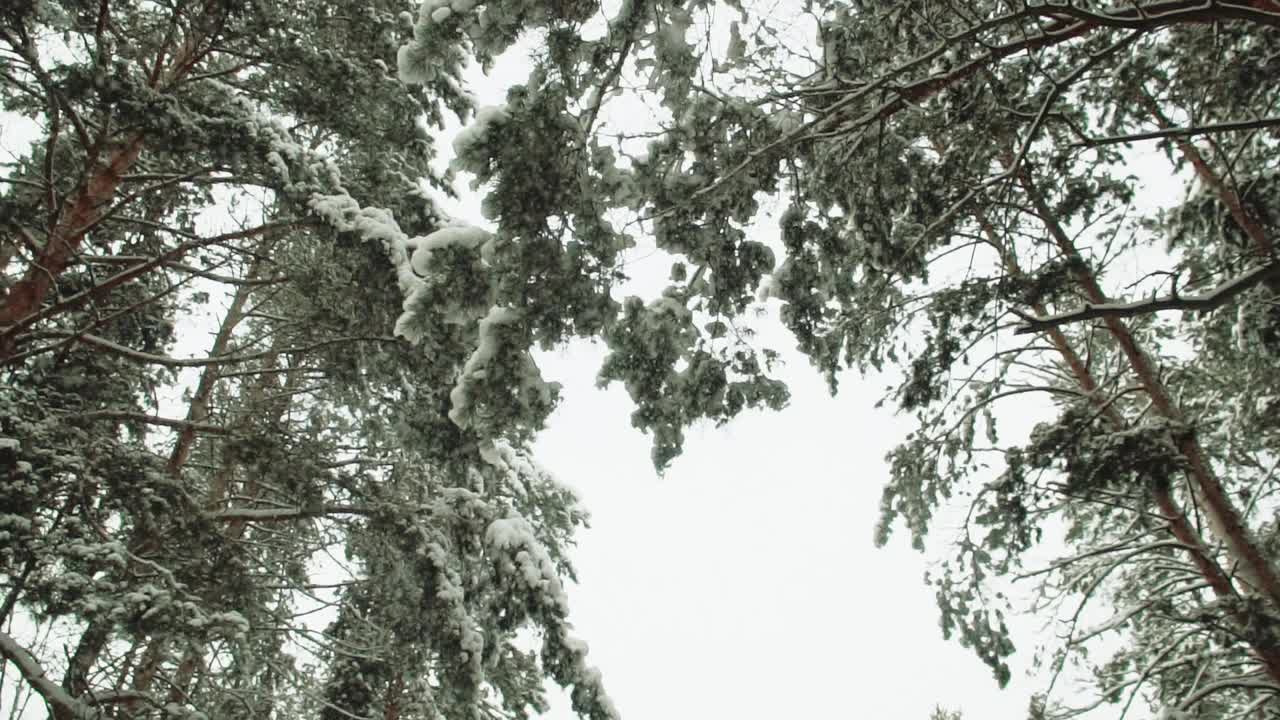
<point>285,514</point>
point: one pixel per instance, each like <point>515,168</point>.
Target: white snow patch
<point>478,130</point>
<point>412,65</point>
<point>345,214</point>
<point>476,367</point>
<point>670,306</point>
<point>768,288</point>
<point>468,237</point>
<point>532,562</point>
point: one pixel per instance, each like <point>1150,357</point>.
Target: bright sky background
<point>743,583</point>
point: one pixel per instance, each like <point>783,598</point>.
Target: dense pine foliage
<point>211,436</point>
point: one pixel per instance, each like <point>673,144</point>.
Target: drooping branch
<point>1210,300</point>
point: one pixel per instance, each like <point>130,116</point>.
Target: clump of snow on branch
<point>444,27</point>
<point>525,558</point>
<point>377,224</point>
<point>523,475</point>
<point>469,144</point>
<point>299,168</point>
<point>480,365</point>
<point>499,376</point>
<point>468,237</point>
<point>440,26</point>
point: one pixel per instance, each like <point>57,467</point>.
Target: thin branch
<point>1244,683</point>
<point>284,514</point>
<point>1191,131</point>
<point>1210,300</point>
<point>167,361</point>
<point>194,242</point>
<point>152,420</point>
<point>190,269</point>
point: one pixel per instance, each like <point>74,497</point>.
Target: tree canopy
<point>226,488</point>
<point>961,207</point>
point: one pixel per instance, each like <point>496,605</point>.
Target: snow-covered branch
<point>284,514</point>
<point>1210,300</point>
<point>167,361</point>
<point>1241,683</point>
<point>59,700</point>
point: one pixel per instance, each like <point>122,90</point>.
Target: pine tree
<point>261,165</point>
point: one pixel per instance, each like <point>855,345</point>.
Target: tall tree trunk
<point>1223,517</point>
<point>108,162</point>
<point>1179,525</point>
<point>198,408</point>
<point>1229,197</point>
<point>65,237</point>
<point>94,638</point>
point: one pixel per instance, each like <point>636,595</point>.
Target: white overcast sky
<point>743,583</point>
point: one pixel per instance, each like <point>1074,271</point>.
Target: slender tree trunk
<point>253,403</point>
<point>1229,197</point>
<point>90,645</point>
<point>153,657</point>
<point>1179,525</point>
<point>178,690</point>
<point>395,692</point>
<point>198,409</point>
<point>1223,517</point>
<point>66,236</point>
